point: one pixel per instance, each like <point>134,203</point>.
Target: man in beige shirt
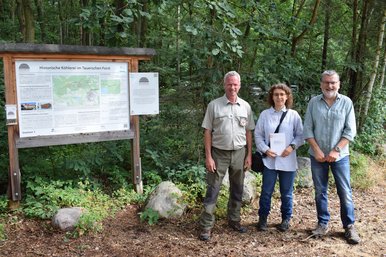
<point>228,125</point>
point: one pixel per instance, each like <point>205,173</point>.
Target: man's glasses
<point>330,82</point>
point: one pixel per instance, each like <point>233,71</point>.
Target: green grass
<point>364,173</point>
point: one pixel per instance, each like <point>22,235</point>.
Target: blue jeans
<point>286,183</point>
<point>341,172</point>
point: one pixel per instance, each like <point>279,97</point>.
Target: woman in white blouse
<point>280,150</point>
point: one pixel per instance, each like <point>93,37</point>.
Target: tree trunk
<point>143,29</point>
<point>246,46</point>
<point>351,72</point>
<point>119,7</point>
<point>355,75</point>
<point>382,80</point>
<point>20,16</point>
<point>61,23</point>
<point>84,34</point>
<point>326,33</point>
<point>297,39</point>
<point>2,10</point>
<point>26,20</point>
<point>178,57</point>
<point>374,72</point>
<point>39,9</point>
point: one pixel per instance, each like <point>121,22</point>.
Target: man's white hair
<point>230,74</point>
<point>329,73</point>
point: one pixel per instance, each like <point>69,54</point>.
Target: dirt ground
<point>125,235</point>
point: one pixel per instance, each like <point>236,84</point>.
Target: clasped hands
<point>331,157</point>
<point>285,153</point>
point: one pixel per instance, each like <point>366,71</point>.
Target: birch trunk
<point>370,87</point>
<point>382,80</point>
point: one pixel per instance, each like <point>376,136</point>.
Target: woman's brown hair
<point>286,89</point>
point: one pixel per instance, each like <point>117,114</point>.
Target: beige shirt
<point>228,123</point>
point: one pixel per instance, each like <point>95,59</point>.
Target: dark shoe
<point>351,235</point>
<point>284,225</point>
<point>262,224</point>
<point>320,230</point>
<point>235,225</point>
<point>205,235</point>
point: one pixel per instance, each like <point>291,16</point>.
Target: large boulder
<point>304,174</point>
<point>66,218</point>
<point>166,199</point>
<point>250,189</point>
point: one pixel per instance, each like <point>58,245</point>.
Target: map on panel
<point>80,91</point>
<point>57,98</point>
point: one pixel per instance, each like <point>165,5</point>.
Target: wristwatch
<point>337,148</point>
<point>293,146</point>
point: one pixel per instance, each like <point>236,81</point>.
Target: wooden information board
<point>18,59</point>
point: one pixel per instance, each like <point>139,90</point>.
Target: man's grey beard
<point>329,94</point>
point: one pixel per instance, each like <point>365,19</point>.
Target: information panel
<point>144,93</point>
<point>71,97</point>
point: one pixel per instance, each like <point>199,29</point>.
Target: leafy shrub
<point>3,204</point>
<point>222,203</point>
<point>3,209</point>
<point>192,194</point>
<point>190,179</point>
<point>45,197</point>
<point>3,135</point>
<point>370,144</point>
<point>3,234</point>
<point>151,178</point>
<point>126,195</point>
<point>186,173</point>
<point>88,222</point>
<point>149,215</point>
<point>302,151</point>
<point>104,163</point>
<point>371,136</point>
<point>174,136</point>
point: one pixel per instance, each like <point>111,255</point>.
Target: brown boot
<point>235,225</point>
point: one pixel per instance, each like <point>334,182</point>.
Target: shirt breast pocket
<point>338,117</point>
<point>220,122</point>
<point>243,120</point>
<point>221,116</point>
<point>242,117</point>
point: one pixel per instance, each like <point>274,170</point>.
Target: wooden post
<point>14,190</point>
<point>135,148</point>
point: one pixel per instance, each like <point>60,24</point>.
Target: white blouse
<point>292,128</point>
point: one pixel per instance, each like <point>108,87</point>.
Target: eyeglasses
<point>279,94</point>
<point>330,82</point>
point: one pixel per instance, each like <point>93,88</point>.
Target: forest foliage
<point>197,42</point>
